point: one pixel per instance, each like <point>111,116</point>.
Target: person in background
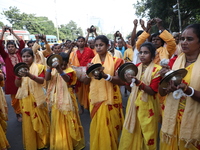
<point>158,39</point>
<point>62,101</point>
<point>40,56</point>
<point>81,57</point>
<point>90,42</point>
<point>140,130</point>
<point>4,145</point>
<point>113,51</point>
<point>121,44</point>
<point>30,44</point>
<point>36,121</point>
<point>105,99</point>
<point>56,48</point>
<point>11,58</point>
<point>180,123</point>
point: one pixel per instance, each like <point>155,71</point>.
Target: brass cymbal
<point>19,66</point>
<point>127,67</point>
<point>93,68</point>
<point>176,76</point>
<point>52,58</point>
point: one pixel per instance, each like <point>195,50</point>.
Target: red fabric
<point>154,83</point>
<point>42,74</point>
<point>85,57</point>
<point>172,60</point>
<point>10,87</point>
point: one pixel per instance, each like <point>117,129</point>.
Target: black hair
<point>103,38</point>
<point>65,56</point>
<point>29,42</point>
<point>139,33</point>
<point>29,50</point>
<point>68,41</point>
<point>150,47</point>
<point>155,35</point>
<point>81,37</point>
<point>54,46</point>
<point>11,43</point>
<point>196,29</point>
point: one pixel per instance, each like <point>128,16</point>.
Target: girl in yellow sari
<point>105,99</point>
<point>36,123</point>
<point>3,116</point>
<point>181,118</point>
<point>66,129</point>
<point>140,130</point>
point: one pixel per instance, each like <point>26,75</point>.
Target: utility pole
<point>56,20</point>
<point>179,17</point>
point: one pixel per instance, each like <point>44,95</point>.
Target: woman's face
<point>81,43</point>
<point>57,49</point>
<point>27,58</point>
<point>157,41</point>
<point>101,47</point>
<point>145,55</point>
<point>190,42</point>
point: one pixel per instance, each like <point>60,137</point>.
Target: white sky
<point>116,14</point>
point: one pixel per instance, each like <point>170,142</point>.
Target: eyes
<point>143,52</point>
<point>187,39</point>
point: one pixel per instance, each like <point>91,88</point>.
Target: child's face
<point>57,49</point>
<point>27,58</point>
<point>64,65</point>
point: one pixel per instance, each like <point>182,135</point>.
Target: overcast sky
<point>115,14</point>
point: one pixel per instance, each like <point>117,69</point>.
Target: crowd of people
<point>51,93</point>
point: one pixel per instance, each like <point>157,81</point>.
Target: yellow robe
<point>106,112</point>
<point>145,131</point>
<point>66,129</point>
<point>3,118</point>
<point>36,122</point>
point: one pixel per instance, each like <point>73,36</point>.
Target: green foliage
<point>40,25</point>
<point>1,24</point>
<point>163,9</point>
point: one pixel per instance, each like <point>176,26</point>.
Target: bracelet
<point>142,86</point>
<point>48,70</point>
<point>191,93</point>
<point>139,83</point>
<point>126,83</point>
<point>108,78</point>
<point>87,76</point>
<point>33,78</point>
<point>62,74</point>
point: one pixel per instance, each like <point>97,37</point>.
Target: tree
<point>70,31</point>
<point>1,24</point>
<point>163,9</point>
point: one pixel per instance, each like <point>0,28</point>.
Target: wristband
<point>33,78</point>
<point>139,83</point>
<point>191,93</point>
<point>48,70</point>
<point>108,78</point>
<point>62,74</point>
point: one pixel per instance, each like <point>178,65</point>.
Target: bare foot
<point>81,111</point>
<point>19,117</point>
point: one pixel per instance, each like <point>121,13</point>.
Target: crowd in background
<point>46,93</point>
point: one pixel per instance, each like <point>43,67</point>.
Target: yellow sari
<point>105,108</point>
<point>174,142</point>
<point>140,132</point>
<point>36,123</point>
<point>3,118</point>
<point>66,129</point>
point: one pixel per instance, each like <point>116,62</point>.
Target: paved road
<point>14,130</point>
